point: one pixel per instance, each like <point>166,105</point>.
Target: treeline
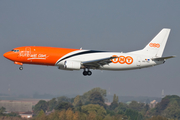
<point>91,106</point>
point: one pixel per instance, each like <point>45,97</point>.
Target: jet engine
<point>72,65</point>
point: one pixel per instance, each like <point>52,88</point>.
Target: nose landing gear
<point>19,63</point>
<point>21,68</point>
<point>88,72</point>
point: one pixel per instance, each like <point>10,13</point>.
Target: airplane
<point>76,59</point>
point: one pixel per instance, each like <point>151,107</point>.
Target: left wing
<point>97,63</point>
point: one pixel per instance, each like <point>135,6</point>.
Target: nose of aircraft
<point>7,55</point>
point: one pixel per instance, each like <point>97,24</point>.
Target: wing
<point>163,58</point>
<point>94,64</point>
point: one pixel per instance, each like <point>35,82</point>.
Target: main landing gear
<point>88,72</point>
<point>21,68</point>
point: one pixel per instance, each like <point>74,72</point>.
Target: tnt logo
<point>122,59</point>
<point>155,45</point>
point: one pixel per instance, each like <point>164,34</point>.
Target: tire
<point>20,68</point>
<point>89,73</point>
<point>84,73</point>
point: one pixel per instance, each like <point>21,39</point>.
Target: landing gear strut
<point>21,68</point>
<point>88,72</point>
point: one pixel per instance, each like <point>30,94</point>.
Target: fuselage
<point>52,56</point>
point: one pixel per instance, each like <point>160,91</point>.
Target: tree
<point>62,115</point>
<point>52,104</point>
<point>64,105</point>
<point>115,98</point>
<point>108,117</point>
<point>158,118</point>
<point>92,115</point>
<point>96,98</point>
<point>41,105</point>
<point>99,110</point>
<point>114,104</point>
<point>85,96</point>
<point>134,115</point>
<point>168,107</point>
<point>76,100</point>
<point>76,116</point>
<point>172,111</point>
<point>69,114</point>
<point>121,108</point>
<point>41,113</point>
<point>2,109</point>
<point>63,99</point>
<point>161,106</point>
<point>13,114</point>
<point>79,105</point>
<point>136,106</point>
<point>53,116</point>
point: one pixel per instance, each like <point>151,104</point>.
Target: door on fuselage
<point>138,61</point>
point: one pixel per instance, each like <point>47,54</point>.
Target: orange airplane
<point>76,59</point>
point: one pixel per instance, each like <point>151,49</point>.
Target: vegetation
<point>9,116</point>
<point>91,106</point>
<point>168,107</point>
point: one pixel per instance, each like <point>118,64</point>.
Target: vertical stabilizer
<point>156,47</point>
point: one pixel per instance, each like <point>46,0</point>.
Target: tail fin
<point>156,47</point>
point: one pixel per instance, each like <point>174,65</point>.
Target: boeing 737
<point>76,59</point>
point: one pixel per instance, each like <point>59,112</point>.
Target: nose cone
<point>8,55</point>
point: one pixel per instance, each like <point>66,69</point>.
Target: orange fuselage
<point>37,55</point>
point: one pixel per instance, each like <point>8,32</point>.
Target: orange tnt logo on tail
<point>122,59</point>
<point>157,45</point>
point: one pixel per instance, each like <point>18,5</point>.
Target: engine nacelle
<point>72,65</point>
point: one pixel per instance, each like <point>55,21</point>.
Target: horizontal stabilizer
<point>163,58</point>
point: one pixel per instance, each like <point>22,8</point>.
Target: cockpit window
<point>15,50</point>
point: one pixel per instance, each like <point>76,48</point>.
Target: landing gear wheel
<point>89,73</point>
<point>21,68</point>
<point>85,73</point>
